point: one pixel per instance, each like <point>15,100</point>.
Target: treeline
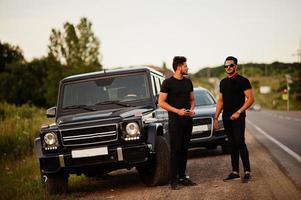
<point>254,69</point>
<point>73,50</point>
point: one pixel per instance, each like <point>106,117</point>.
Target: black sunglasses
<point>231,65</point>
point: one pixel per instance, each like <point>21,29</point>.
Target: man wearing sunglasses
<point>235,98</point>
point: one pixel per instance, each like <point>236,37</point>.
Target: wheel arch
<point>154,130</point>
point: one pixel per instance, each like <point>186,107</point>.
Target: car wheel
<point>55,183</point>
<point>157,171</point>
<point>212,147</point>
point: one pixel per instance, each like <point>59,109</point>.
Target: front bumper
<point>217,138</point>
<point>117,156</point>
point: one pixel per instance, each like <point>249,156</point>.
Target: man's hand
<point>191,113</point>
<point>215,123</point>
<point>234,116</point>
<point>184,112</point>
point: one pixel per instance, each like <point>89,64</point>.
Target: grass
<point>20,179</point>
<point>19,169</point>
<point>18,128</point>
<point>273,100</point>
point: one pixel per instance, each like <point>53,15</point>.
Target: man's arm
<point>192,101</point>
<point>192,104</point>
<point>163,104</point>
<point>246,105</point>
<point>219,107</point>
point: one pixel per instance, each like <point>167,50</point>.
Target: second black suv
<point>105,121</point>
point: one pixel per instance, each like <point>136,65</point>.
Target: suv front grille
<point>202,121</point>
<point>89,135</point>
<point>205,131</point>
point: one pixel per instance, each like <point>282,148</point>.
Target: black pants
<point>180,129</point>
<point>235,130</point>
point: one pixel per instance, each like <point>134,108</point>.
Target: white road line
<point>282,146</point>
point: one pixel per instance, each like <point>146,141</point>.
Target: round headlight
<point>132,129</point>
<point>50,138</point>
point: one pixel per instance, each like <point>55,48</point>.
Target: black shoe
<point>232,176</point>
<point>175,185</point>
<point>246,178</point>
<point>187,182</point>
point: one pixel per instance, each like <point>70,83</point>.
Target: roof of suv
<point>111,72</point>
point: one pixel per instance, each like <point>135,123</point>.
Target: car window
<point>203,98</point>
<point>118,88</point>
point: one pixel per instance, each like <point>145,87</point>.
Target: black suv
<point>105,121</point>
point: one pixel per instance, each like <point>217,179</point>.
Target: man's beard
<point>231,73</point>
<point>184,73</point>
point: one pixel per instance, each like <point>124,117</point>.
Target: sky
<point>150,32</point>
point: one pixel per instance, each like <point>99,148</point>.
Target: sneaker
<point>232,176</point>
<point>247,178</point>
<point>175,185</point>
<point>187,182</point>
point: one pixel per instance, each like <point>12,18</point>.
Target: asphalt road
<point>280,133</point>
<point>207,168</point>
<point>283,126</point>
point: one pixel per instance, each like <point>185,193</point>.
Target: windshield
<point>203,98</point>
<point>114,89</point>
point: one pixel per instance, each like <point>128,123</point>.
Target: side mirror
<point>51,112</point>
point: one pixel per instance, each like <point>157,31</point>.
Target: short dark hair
<point>178,60</point>
<point>232,58</point>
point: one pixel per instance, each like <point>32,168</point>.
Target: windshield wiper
<point>85,107</point>
<point>113,102</point>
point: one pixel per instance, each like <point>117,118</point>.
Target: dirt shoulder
<point>207,168</point>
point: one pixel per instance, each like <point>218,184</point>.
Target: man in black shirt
<point>177,98</point>
<point>235,98</point>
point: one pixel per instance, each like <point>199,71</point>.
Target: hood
<point>205,110</point>
<point>107,114</point>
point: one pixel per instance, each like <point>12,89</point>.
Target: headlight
<point>50,138</point>
<point>132,129</point>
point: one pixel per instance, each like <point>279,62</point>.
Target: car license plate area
<point>199,129</point>
<point>82,153</point>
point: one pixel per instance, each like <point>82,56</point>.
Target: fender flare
<point>153,130</point>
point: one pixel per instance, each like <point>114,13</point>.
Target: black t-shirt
<point>232,90</point>
<point>178,92</point>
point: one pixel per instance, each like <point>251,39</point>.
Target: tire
<point>55,183</point>
<point>226,148</point>
<point>212,147</point>
<point>157,171</point>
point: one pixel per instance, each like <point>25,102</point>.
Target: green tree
<point>76,47</point>
<point>54,75</point>
<point>9,54</point>
<point>24,83</point>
